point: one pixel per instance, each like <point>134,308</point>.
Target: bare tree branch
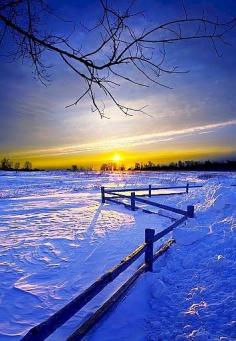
<point>122,46</point>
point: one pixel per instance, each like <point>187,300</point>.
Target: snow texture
<point>57,238</point>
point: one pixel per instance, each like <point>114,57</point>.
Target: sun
<point>116,157</point>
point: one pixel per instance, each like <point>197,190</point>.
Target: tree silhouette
<point>122,50</point>
<point>74,168</point>
<point>17,166</point>
<point>6,164</point>
<point>188,165</point>
<point>112,166</point>
<point>27,166</point>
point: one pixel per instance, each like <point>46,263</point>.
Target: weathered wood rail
<point>133,197</point>
<point>46,328</point>
<point>150,188</point>
<point>49,326</point>
<point>114,299</point>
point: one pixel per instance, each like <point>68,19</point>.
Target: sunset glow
<point>117,144</point>
<point>117,158</point>
<point>194,120</point>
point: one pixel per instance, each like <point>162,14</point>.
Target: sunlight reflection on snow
<point>53,228</point>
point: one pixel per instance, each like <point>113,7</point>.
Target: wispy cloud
<point>127,142</point>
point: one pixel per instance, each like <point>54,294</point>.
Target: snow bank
<point>57,239</point>
<point>191,294</point>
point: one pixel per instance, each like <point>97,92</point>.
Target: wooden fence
<point>46,328</point>
<point>114,194</point>
<point>150,189</point>
<point>49,326</point>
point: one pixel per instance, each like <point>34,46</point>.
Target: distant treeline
<point>8,165</point>
<point>187,166</point>
<point>105,167</point>
<point>75,168</point>
<point>112,166</point>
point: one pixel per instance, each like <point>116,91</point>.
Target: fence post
<point>187,187</point>
<point>103,194</point>
<point>150,190</point>
<point>190,211</point>
<point>149,239</point>
<point>132,198</point>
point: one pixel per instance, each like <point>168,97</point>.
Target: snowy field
<point>57,238</point>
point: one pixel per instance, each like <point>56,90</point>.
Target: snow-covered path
<point>191,295</point>
<point>56,239</point>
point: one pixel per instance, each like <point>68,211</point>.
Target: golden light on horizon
<point>117,158</point>
<point>53,160</point>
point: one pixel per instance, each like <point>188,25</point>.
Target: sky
<point>196,119</point>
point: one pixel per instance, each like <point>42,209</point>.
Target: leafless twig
<point>122,54</point>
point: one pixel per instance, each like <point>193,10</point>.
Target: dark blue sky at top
<point>34,116</point>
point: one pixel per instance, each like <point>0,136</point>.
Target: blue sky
<point>197,114</point>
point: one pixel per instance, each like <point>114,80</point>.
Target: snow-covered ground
<point>57,238</point>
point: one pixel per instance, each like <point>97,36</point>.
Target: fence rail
<point>99,314</point>
<point>49,326</point>
<point>108,190</point>
<point>161,234</point>
<point>164,207</point>
<point>46,328</point>
<point>118,194</point>
<point>134,198</point>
